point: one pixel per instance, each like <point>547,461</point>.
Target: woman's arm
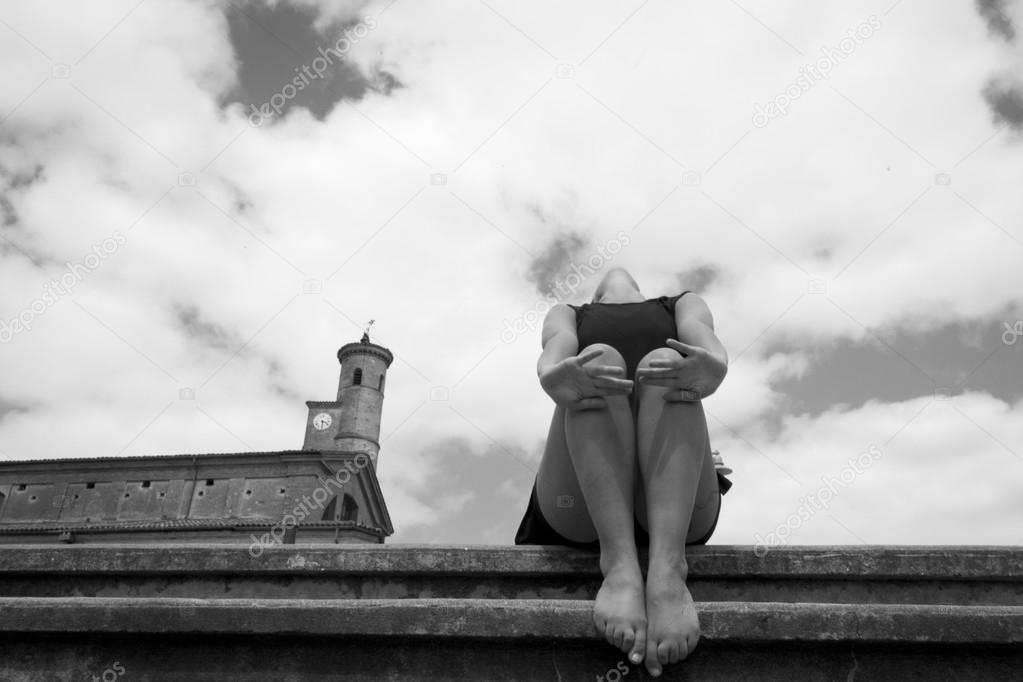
<point>695,326</point>
<point>703,363</point>
<point>565,376</point>
<point>558,337</point>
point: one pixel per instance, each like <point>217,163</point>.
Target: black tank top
<point>633,329</point>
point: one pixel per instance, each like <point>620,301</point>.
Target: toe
<point>673,652</point>
<point>664,652</point>
<point>638,647</point>
<point>653,666</point>
<point>619,637</point>
<point>689,644</point>
<point>628,639</point>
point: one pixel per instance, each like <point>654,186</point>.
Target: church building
<point>325,492</point>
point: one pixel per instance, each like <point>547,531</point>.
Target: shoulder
<point>692,306</point>
<point>561,313</point>
<point>560,320</point>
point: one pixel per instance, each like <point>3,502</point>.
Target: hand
<point>578,387</point>
<point>692,377</point>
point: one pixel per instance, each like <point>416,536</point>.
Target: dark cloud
<point>488,471</point>
<point>279,378</point>
<point>556,260</point>
<point>208,333</point>
<point>998,21</point>
<point>384,82</point>
<point>9,407</point>
<point>14,239</point>
<point>968,355</point>
<point>10,182</point>
<point>284,61</point>
<point>1006,102</point>
<point>698,278</point>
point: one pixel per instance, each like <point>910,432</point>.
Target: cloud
<point>201,330</point>
<point>998,20</point>
<point>292,55</point>
<point>827,227</point>
<point>937,460</point>
<point>555,261</point>
<point>698,278</point>
<point>1006,102</point>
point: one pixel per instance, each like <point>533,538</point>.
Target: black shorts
<point>534,529</point>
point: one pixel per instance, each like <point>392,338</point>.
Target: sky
<point>201,201</point>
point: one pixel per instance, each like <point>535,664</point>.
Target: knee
<point>659,354</point>
<point>608,355</point>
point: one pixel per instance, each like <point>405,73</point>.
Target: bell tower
<point>351,423</point>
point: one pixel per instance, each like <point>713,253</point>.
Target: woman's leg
<point>680,486</point>
<point>594,457</point>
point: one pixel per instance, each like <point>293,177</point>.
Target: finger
<point>666,381</point>
<point>682,395</point>
<point>604,369</point>
<point>586,356</point>
<point>611,382</point>
<point>658,364</point>
<point>684,348</point>
<point>589,404</point>
<point>656,371</point>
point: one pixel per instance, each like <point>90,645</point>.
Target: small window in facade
<point>349,510</point>
<point>357,376</point>
<point>330,511</point>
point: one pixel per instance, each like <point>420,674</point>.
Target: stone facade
<point>326,492</point>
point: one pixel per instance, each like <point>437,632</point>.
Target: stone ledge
<point>990,563</point>
<point>539,619</point>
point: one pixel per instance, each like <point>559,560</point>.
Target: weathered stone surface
<point>974,575</point>
<point>974,563</point>
<point>497,619</point>
<point>402,612</point>
<point>291,659</point>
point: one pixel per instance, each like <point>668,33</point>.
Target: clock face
<point>322,421</point>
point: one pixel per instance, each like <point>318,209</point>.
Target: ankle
<point>618,561</point>
<point>674,562</point>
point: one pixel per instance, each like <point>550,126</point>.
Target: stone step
<point>493,639</point>
<point>813,574</point>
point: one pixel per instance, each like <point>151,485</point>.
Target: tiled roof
<point>175,456</point>
<point>166,524</point>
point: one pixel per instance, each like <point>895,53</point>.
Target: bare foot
<point>619,613</point>
<point>674,628</point>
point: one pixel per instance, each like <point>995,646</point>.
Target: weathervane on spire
<point>365,334</point>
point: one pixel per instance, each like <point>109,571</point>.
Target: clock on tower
<point>351,423</point>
